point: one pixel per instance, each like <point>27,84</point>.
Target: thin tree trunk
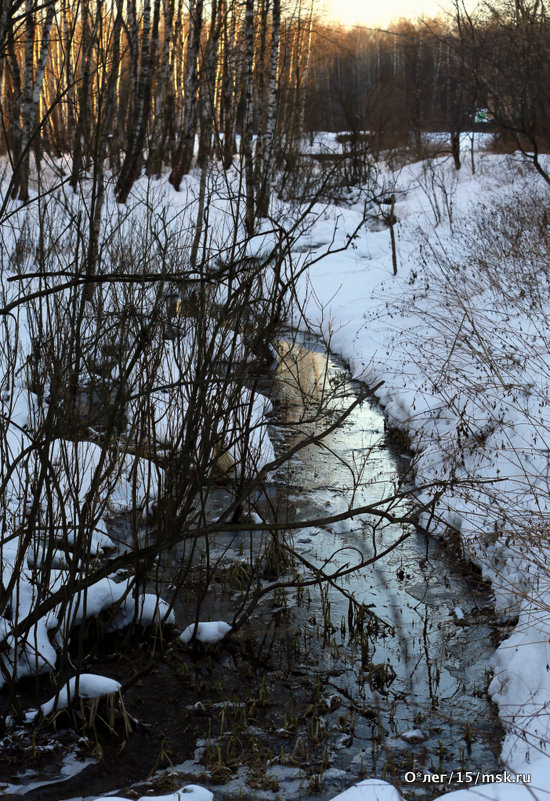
<point>260,105</point>
<point>268,148</point>
<point>163,126</point>
<point>228,103</point>
<point>5,16</point>
<point>103,128</point>
<point>82,121</point>
<point>14,104</point>
<point>138,128</point>
<point>183,157</point>
<point>68,73</point>
<point>200,220</point>
<point>207,83</point>
<point>21,187</point>
<point>392,236</point>
<point>178,64</point>
<point>246,140</point>
<point>32,90</point>
<point>114,133</point>
<point>302,84</point>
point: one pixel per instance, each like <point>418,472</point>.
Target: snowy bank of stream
<point>462,348</point>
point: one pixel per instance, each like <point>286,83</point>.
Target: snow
<point>149,610</point>
<point>502,787</point>
<point>71,766</point>
<point>191,792</point>
<point>369,790</point>
<point>238,412</point>
<point>86,685</point>
<point>209,632</point>
<point>36,654</point>
<point>457,345</point>
<point>413,736</point>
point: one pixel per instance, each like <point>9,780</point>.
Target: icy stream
<point>423,703</point>
<point>403,689</point>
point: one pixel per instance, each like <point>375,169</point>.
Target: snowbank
<point>191,792</point>
<point>369,790</point>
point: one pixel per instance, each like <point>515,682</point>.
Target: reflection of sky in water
<point>439,666</point>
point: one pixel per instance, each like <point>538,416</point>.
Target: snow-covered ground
<point>60,494</point>
<point>460,339</point>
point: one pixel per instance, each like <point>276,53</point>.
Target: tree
<point>506,44</point>
<point>184,152</point>
<point>266,156</point>
<point>142,100</point>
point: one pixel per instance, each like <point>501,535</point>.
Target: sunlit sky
<point>379,12</point>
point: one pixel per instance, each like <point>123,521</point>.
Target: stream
<point>418,678</point>
<point>314,692</point>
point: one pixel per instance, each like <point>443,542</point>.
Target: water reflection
<point>400,682</point>
<point>409,667</point>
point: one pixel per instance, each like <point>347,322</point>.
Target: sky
<point>379,12</point>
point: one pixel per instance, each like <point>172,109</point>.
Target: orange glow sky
<point>379,12</point>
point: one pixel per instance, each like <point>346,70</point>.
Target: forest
<point>122,87</point>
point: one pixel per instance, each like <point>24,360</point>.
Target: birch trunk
<point>229,69</point>
<point>32,90</point>
<point>177,66</point>
<point>21,169</point>
<point>268,147</point>
<point>207,83</point>
<point>246,140</point>
<point>302,84</point>
<point>260,105</point>
<point>183,157</point>
<point>103,128</point>
<point>138,122</point>
<point>68,73</point>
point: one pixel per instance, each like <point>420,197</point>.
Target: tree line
<point>126,85</point>
<point>130,86</point>
<point>486,69</point>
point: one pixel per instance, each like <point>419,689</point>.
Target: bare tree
<point>266,157</point>
<point>138,122</point>
<point>183,155</point>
